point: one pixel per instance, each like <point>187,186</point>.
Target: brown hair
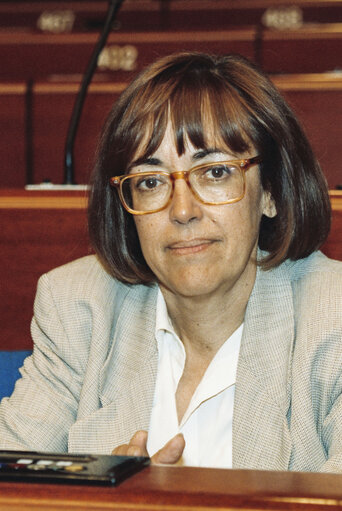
<point>244,109</point>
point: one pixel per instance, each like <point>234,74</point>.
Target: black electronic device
<point>28,466</point>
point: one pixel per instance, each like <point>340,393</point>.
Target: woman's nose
<point>184,205</point>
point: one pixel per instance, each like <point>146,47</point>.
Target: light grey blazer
<point>89,384</point>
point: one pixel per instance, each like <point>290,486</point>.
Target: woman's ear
<point>269,207</point>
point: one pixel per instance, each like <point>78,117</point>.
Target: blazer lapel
<point>127,379</point>
<point>261,438</point>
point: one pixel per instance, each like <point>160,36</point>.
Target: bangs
<point>207,114</point>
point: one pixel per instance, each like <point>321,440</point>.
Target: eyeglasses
<point>214,183</point>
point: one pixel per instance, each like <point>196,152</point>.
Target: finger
<point>120,450</point>
<point>134,450</point>
<point>136,446</point>
<point>139,439</point>
<point>128,450</point>
<point>171,452</point>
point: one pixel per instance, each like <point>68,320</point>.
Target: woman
<point>208,329</point>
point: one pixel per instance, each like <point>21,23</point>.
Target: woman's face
<point>198,250</point>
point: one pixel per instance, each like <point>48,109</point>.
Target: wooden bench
<point>26,55</point>
<point>163,14</point>
<point>317,101</point>
<point>308,49</point>
<point>32,142</point>
<point>52,107</point>
<point>35,55</point>
<point>316,98</point>
<point>36,153</point>
<point>42,230</point>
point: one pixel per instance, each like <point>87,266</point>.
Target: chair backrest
<point>10,362</point>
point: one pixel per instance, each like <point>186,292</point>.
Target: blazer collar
<point>261,438</point>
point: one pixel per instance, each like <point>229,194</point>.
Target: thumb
<point>171,452</point>
<point>139,439</point>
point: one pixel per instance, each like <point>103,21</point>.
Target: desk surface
<point>170,488</point>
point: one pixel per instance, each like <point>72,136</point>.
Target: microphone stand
<point>114,6</point>
<point>69,182</point>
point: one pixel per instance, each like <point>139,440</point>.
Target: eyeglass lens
<point>213,183</point>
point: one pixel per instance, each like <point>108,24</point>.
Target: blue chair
<point>10,362</point>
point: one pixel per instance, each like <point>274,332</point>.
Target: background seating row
<point>34,122</point>
<point>45,46</point>
<point>34,55</point>
<point>86,15</point>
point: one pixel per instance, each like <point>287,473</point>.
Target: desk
<point>170,488</point>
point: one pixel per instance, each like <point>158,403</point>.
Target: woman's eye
<point>218,172</point>
<point>149,183</point>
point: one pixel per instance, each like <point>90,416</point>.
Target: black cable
<point>114,6</point>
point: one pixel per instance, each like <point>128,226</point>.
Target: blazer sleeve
<point>332,434</point>
<point>44,403</point>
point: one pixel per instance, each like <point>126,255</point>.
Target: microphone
<point>69,182</point>
<point>113,9</point>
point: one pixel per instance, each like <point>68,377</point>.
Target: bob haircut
<point>231,98</point>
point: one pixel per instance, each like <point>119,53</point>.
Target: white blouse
<point>207,423</point>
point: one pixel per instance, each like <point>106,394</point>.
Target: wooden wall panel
<point>333,246</point>
<point>52,107</point>
<point>316,98</point>
<point>317,101</point>
<point>34,56</point>
<point>321,115</point>
<point>12,135</point>
<point>309,95</point>
<point>33,241</point>
<point>309,49</point>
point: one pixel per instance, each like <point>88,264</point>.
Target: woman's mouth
<point>186,247</point>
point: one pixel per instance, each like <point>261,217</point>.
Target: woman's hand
<point>169,454</point>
